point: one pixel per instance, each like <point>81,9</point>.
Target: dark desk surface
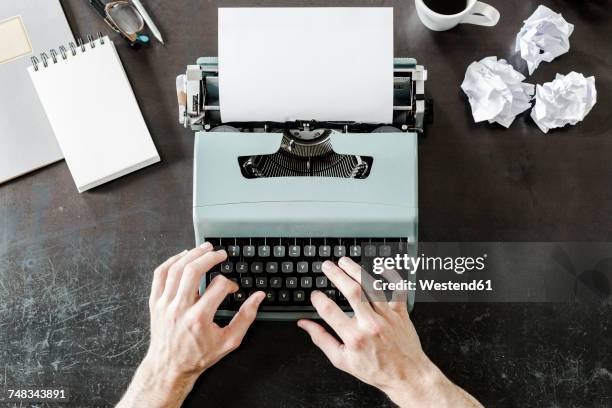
<point>75,268</point>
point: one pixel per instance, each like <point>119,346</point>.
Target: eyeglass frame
<point>104,8</point>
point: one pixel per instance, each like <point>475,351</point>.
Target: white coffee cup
<point>475,12</point>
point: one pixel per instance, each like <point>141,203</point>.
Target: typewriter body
<point>281,198</point>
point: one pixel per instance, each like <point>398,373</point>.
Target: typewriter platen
<point>282,198</point>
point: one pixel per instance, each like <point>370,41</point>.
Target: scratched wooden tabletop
<point>75,269</point>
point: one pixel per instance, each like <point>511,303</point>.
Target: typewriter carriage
<point>410,111</point>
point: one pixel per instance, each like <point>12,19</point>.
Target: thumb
<point>323,340</point>
<point>240,323</point>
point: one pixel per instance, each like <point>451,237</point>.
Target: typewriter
<point>281,198</point>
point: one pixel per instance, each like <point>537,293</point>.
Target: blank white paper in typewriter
<point>326,64</point>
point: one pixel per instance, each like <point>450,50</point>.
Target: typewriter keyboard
<point>289,269</point>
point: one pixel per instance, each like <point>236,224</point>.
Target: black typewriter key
<point>263,251</point>
<point>257,267</point>
<point>212,276</point>
<point>271,267</point>
<point>384,250</point>
<point>306,282</point>
<point>248,251</point>
<point>246,282</point>
<point>321,282</point>
<point>331,293</point>
<point>317,267</point>
<point>279,251</point>
<point>261,282</point>
<point>242,267</point>
<point>339,251</point>
<point>233,250</point>
<point>324,251</point>
<point>355,251</point>
<point>291,282</point>
<point>276,282</point>
<point>310,251</point>
<point>287,267</point>
<point>369,250</point>
<point>239,296</point>
<point>269,296</point>
<point>299,296</point>
<point>302,267</point>
<point>294,251</point>
<point>227,267</point>
<point>284,295</point>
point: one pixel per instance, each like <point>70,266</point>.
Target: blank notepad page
<point>93,112</point>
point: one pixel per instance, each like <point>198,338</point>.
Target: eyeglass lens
<point>126,17</point>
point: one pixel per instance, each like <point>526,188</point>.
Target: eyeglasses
<point>123,18</point>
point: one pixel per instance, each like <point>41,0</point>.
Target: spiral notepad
<point>93,112</point>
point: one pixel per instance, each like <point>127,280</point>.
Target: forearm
<point>434,390</point>
<point>150,388</point>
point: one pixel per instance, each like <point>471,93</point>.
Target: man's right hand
<point>379,345</point>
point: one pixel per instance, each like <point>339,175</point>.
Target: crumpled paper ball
<point>543,37</point>
<point>566,100</point>
<point>496,91</point>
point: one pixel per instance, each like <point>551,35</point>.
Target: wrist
<point>157,386</point>
<point>426,386</point>
<point>164,378</point>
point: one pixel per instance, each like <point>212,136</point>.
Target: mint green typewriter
<point>282,198</point>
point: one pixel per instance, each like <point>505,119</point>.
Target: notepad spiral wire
<point>64,52</point>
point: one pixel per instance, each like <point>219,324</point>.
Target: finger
<point>212,297</point>
<point>176,270</point>
<point>322,339</point>
<point>366,281</point>
<point>194,271</point>
<point>399,297</point>
<point>331,313</point>
<point>240,323</point>
<point>349,288</point>
<point>161,274</point>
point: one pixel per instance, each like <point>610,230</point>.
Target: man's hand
<point>184,339</point>
<point>379,345</point>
